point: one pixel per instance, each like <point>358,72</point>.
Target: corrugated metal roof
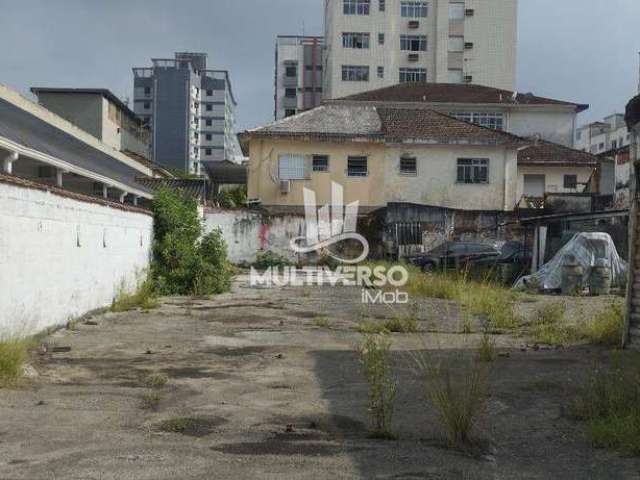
<point>23,128</point>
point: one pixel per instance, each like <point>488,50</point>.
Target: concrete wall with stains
<point>61,257</point>
<point>248,232</point>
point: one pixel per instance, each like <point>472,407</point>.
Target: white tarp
<point>586,248</point>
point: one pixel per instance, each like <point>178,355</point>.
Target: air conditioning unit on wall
<point>285,186</point>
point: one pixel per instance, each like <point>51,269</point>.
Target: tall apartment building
<point>190,111</point>
<point>609,134</point>
<point>298,81</point>
<point>377,43</point>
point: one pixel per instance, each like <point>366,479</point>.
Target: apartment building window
<point>209,137</point>
<point>356,7</point>
<point>355,73</point>
<point>357,167</point>
<point>414,9</point>
<point>380,72</point>
<point>209,93</point>
<point>473,170</point>
<point>355,40</point>
<point>614,144</point>
<point>413,75</point>
<point>209,108</point>
<point>456,44</point>
<point>484,119</point>
<point>291,70</point>
<point>381,38</point>
<point>382,5</point>
<point>147,105</point>
<point>413,43</point>
<point>292,167</point>
<point>208,152</point>
<point>571,182</point>
<point>147,90</point>
<point>290,92</point>
<point>208,122</point>
<point>320,163</point>
<point>408,165</point>
<point>289,112</point>
<point>456,11</point>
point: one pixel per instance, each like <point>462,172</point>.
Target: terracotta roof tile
<point>550,154</point>
<point>452,93</point>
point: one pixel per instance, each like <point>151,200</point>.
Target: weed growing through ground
<point>391,325</point>
<point>151,400</point>
<point>143,298</point>
<point>606,327</point>
<point>374,356</point>
<point>549,326</point>
<point>485,298</point>
<point>609,403</point>
<point>157,380</point>
<point>14,353</point>
<point>487,349</point>
<point>178,425</point>
<point>455,386</point>
<point>322,322</point>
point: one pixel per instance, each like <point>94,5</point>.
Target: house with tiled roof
<point>523,114</point>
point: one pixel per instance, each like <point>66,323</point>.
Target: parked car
<point>460,255</point>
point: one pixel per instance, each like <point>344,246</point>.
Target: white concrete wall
<point>247,233</point>
<point>556,126</point>
<point>61,257</point>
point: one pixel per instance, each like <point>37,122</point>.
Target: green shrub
<point>186,262</point>
<point>232,198</point>
<point>269,259</point>
<point>14,353</point>
<point>151,400</point>
<point>374,356</point>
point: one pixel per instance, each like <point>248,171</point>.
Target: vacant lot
<point>267,384</point>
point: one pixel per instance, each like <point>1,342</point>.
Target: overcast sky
<point>579,50</point>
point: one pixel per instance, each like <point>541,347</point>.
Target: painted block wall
<point>61,257</point>
<point>247,233</point>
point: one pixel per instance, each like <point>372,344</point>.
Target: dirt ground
<point>270,386</point>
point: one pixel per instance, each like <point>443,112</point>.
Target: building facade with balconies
<point>190,111</point>
<point>298,74</point>
<point>377,43</point>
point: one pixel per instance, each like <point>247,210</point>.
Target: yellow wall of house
<point>434,184</point>
<point>263,172</point>
<point>554,177</point>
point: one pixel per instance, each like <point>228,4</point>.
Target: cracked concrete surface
<point>258,388</point>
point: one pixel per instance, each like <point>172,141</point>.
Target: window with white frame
<point>414,9</point>
<point>382,5</point>
<point>408,165</point>
<point>292,167</point>
<point>473,170</point>
<point>380,72</point>
<point>491,120</point>
<point>356,7</point>
<point>413,43</point>
<point>355,73</point>
<point>413,75</point>
<point>355,40</point>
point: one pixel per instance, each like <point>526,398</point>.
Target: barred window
<point>320,163</point>
<point>473,170</point>
<point>355,73</point>
<point>414,9</point>
<point>413,43</point>
<point>408,165</point>
<point>491,120</point>
<point>413,75</point>
<point>355,40</point>
<point>292,167</point>
<point>357,167</point>
<point>356,7</point>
